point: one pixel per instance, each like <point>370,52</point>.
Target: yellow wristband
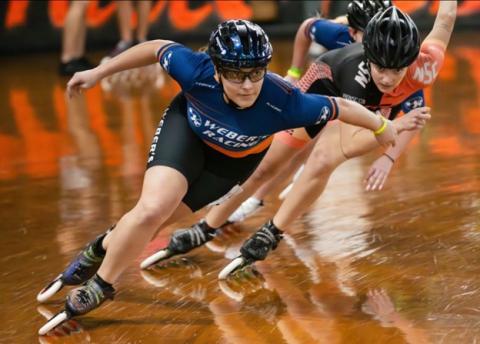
<point>294,72</point>
<point>383,127</point>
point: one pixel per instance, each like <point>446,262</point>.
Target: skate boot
<point>255,248</point>
<point>83,267</point>
<point>182,241</point>
<point>245,210</point>
<point>80,301</point>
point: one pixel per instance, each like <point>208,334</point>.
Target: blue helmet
<point>239,44</point>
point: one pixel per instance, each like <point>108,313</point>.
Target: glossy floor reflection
<point>397,266</point>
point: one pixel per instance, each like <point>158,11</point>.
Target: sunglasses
<point>238,77</point>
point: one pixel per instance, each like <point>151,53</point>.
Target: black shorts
<point>210,174</point>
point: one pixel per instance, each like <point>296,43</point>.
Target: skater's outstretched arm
<point>353,113</point>
<point>137,56</point>
<point>300,48</point>
<point>444,22</point>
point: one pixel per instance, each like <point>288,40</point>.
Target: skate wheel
<point>155,258</point>
<point>234,265</point>
<point>50,290</point>
<point>53,322</point>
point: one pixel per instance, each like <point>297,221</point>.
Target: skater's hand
<point>378,173</point>
<point>415,119</point>
<point>388,136</point>
<point>82,81</point>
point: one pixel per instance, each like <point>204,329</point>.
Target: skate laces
<point>198,235</point>
<point>266,236</point>
<point>90,295</point>
<point>87,258</point>
<point>90,257</point>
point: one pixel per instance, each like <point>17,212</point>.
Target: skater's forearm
<point>404,138</point>
<point>353,113</point>
<point>140,55</point>
<point>444,22</point>
<point>300,48</point>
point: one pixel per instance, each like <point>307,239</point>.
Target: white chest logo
<point>426,73</point>
<point>363,74</point>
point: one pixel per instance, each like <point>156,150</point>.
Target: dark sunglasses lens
<point>233,76</point>
<point>239,76</point>
<point>257,75</point>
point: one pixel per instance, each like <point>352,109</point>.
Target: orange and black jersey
<point>346,73</point>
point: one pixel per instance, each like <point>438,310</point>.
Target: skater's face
<point>242,86</point>
<point>387,79</point>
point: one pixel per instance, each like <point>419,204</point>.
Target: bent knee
<point>153,212</point>
<point>323,160</point>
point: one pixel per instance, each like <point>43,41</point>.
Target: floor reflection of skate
<point>242,283</point>
<point>303,321</point>
<point>180,276</point>
<point>234,317</point>
<point>340,228</point>
<point>70,328</point>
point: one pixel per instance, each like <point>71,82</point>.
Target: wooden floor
<point>397,266</point>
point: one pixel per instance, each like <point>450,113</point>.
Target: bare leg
<point>277,154</point>
<point>74,31</point>
<point>335,143</point>
<point>125,11</point>
<point>142,27</point>
<point>159,203</point>
<point>285,172</point>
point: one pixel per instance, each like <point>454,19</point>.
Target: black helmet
<point>239,44</point>
<point>359,12</point>
<point>391,39</point>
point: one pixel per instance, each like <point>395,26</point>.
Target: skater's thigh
<point>163,187</point>
<point>175,145</point>
<point>283,148</point>
<point>327,151</point>
<point>356,141</point>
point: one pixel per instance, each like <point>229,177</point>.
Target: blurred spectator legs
<point>73,59</point>
<point>125,11</point>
